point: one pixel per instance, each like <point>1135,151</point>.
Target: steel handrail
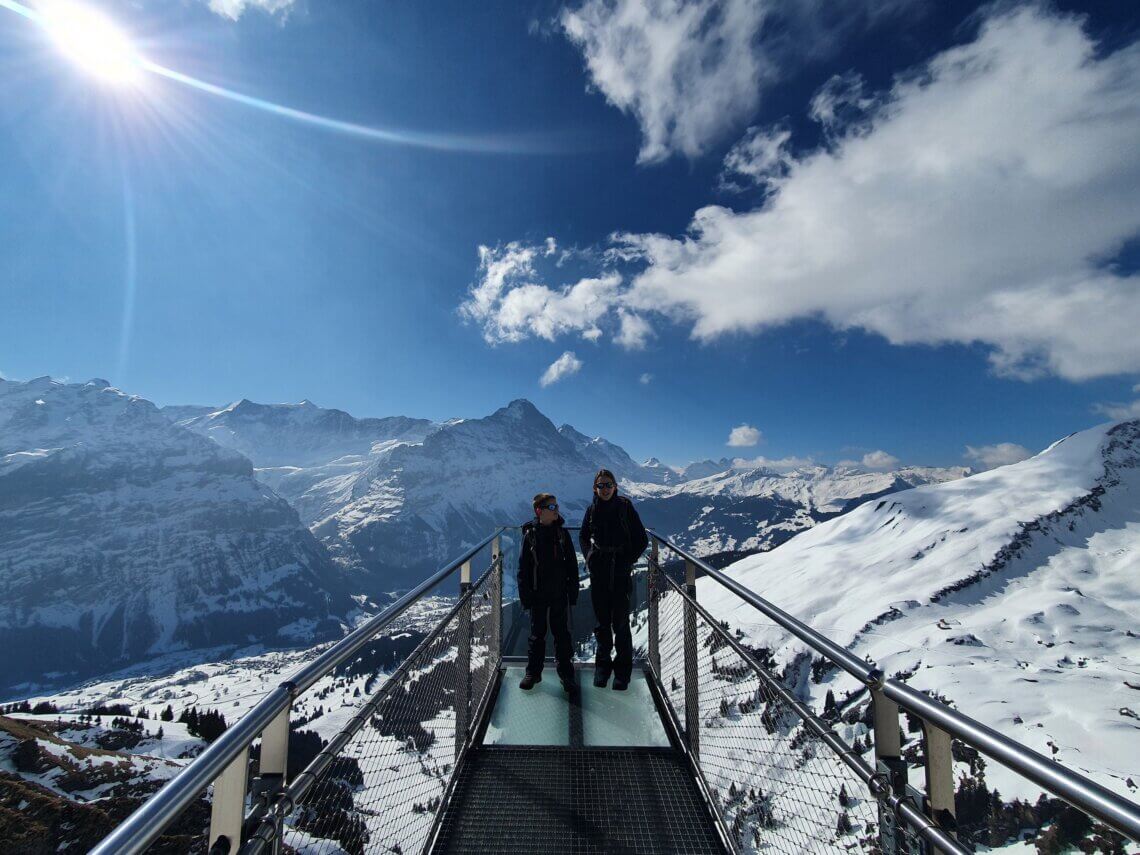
<point>145,825</point>
<point>299,788</point>
<point>930,831</point>
<point>1115,811</point>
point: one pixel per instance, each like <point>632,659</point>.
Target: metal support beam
<point>654,585</point>
<point>940,777</point>
<point>497,598</point>
<point>889,763</point>
<point>463,663</point>
<point>272,768</point>
<point>228,807</point>
<point>692,687</point>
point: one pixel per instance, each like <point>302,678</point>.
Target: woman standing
<point>612,539</point>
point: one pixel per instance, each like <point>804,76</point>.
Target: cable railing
<point>225,763</point>
<point>909,819</point>
<point>777,777</point>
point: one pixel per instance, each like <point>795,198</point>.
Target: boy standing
<point>548,581</point>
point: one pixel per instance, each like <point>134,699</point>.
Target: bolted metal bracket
<point>227,810</point>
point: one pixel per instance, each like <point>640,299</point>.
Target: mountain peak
<point>521,409</point>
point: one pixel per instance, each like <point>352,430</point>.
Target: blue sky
<point>906,227</point>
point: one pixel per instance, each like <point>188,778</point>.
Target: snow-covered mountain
<point>308,454</point>
<point>1014,593</point>
<point>397,496</point>
<point>125,536</point>
<point>737,507</point>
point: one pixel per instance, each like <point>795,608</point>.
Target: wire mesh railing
<point>380,784</point>
<point>776,784</point>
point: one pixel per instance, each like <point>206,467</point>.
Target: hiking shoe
<point>601,677</point>
<point>529,680</point>
<point>620,685</point>
<point>568,683</point>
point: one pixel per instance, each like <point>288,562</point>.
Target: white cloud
<point>880,460</point>
<point>687,71</point>
<point>233,9</point>
<point>690,71</point>
<point>645,379</point>
<point>1120,412</point>
<point>743,436</point>
<point>840,105</point>
<point>761,156</point>
<point>968,207</point>
<point>992,456</point>
<point>635,331</point>
<point>563,366</point>
<point>511,303</point>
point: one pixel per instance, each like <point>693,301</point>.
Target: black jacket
<point>539,577</point>
<point>612,528</point>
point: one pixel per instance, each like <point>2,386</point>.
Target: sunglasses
<point>551,507</point>
<point>605,485</point>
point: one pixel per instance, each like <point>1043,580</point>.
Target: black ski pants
<point>552,615</point>
<point>609,592</point>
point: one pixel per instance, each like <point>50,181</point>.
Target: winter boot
<point>529,680</point>
<point>620,685</point>
<point>601,677</point>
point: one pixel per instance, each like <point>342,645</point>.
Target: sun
<point>92,41</point>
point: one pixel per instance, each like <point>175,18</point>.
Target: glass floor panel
<point>596,717</point>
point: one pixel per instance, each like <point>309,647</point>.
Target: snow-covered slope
<point>736,508</point>
<point>125,536</point>
<point>308,454</point>
<point>1013,592</point>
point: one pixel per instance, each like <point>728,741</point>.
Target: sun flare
<point>92,41</point>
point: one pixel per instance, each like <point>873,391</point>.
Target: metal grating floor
<point>578,801</point>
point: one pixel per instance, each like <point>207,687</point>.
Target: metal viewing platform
<point>707,751</point>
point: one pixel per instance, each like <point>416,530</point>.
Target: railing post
<point>940,778</point>
<point>692,689</point>
<point>889,763</point>
<point>273,766</point>
<point>654,618</point>
<point>228,807</point>
<point>463,663</point>
<point>497,600</point>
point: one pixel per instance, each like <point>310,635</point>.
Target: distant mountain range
<point>132,532</point>
<point>399,496</point>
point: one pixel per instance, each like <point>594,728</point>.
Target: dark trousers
<point>609,592</point>
<point>552,615</point>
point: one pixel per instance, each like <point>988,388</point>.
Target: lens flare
<point>91,41</point>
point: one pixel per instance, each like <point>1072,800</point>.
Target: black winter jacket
<point>612,528</point>
<point>539,577</point>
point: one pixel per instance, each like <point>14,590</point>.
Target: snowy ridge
<point>1012,592</point>
<point>127,536</point>
<point>397,496</point>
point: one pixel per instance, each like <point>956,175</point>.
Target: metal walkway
<point>709,750</point>
<point>578,801</point>
<point>590,773</point>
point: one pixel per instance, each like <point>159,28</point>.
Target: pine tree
<point>844,799</point>
<point>830,710</point>
<point>167,714</point>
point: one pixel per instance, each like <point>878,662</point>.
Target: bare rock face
<point>125,536</point>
